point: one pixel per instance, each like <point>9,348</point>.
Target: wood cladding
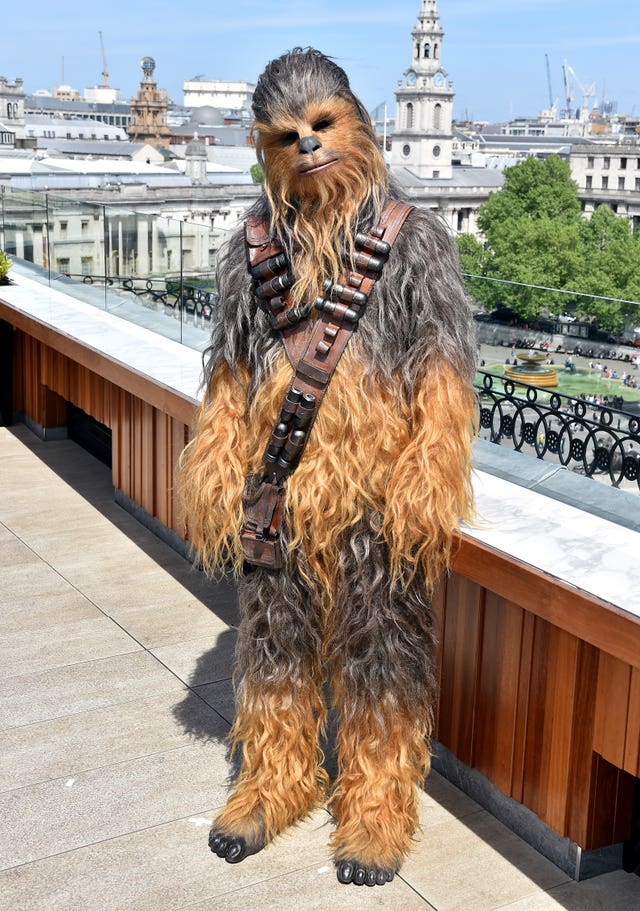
<point>146,440</point>
<point>539,682</point>
<point>544,715</point>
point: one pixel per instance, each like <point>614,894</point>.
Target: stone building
<point>149,110</point>
<point>424,103</point>
<point>422,147</point>
<point>216,93</point>
<point>609,174</point>
<point>12,109</point>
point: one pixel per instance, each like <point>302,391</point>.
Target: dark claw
<point>236,851</point>
<point>350,871</point>
<point>231,847</point>
<point>345,871</point>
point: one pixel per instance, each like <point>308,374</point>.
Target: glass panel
<point>76,249</point>
<point>157,272</point>
<point>25,232</point>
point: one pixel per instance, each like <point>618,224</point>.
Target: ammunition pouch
<point>260,536</point>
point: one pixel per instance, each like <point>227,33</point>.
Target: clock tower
<point>422,139</point>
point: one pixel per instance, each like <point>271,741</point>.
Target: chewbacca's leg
<point>381,656</point>
<point>280,711</point>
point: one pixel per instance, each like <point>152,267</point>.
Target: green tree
<point>256,173</point>
<point>611,257</point>
<point>532,233</point>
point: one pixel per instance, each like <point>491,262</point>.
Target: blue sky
<point>494,50</point>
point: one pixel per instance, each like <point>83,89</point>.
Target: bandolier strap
<point>314,349</point>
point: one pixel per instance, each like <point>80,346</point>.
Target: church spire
<point>422,139</point>
<point>427,38</point>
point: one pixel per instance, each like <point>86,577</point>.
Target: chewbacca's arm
<point>430,487</point>
<point>212,470</point>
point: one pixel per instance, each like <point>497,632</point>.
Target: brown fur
<point>371,510</point>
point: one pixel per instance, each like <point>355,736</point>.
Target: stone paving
<point>115,699</point>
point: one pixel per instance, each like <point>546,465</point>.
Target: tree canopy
<point>534,234</point>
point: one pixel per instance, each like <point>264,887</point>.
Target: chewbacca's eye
<point>289,138</point>
<point>321,125</point>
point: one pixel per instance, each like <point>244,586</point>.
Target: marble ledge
<point>146,352</point>
<point>584,550</point>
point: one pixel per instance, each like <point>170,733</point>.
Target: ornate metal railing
<point>593,439</point>
<point>169,292</point>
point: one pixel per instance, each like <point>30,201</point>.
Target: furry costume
<point>369,512</point>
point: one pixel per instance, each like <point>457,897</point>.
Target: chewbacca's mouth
<point>315,167</point>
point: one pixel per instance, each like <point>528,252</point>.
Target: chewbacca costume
<point>370,511</point>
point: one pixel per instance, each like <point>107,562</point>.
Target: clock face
<point>411,78</point>
<point>438,79</point>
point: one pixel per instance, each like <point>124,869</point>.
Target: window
<point>637,183</point>
<point>437,117</point>
<point>590,161</point>
<point>9,110</point>
<point>84,226</point>
<point>623,164</point>
<point>406,149</point>
<point>621,183</point>
<point>86,265</point>
<point>409,116</point>
<point>426,50</point>
<point>606,164</point>
<point>589,181</point>
<point>436,151</point>
<point>605,183</point>
<point>62,265</point>
<point>418,50</point>
<point>436,173</point>
<point>63,228</point>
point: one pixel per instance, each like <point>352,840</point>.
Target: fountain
<point>530,369</point>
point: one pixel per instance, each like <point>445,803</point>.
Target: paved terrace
<point>115,698</point>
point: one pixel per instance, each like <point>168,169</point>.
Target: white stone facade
<point>608,174</point>
<point>231,96</point>
<point>422,138</point>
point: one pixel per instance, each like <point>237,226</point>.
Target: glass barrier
<point>154,271</point>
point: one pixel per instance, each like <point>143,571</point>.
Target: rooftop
<point>115,699</point>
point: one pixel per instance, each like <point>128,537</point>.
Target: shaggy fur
<point>370,511</point>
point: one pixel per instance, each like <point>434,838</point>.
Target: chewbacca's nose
<point>308,145</point>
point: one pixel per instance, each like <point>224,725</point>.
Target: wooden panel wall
<point>551,720</point>
<point>146,441</point>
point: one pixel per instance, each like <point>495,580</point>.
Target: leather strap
<point>314,350</point>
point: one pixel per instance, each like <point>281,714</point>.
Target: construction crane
<point>567,92</point>
<point>588,91</point>
<point>105,71</point>
<point>546,57</point>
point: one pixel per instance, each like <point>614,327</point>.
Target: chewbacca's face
<point>326,144</point>
<point>321,164</point>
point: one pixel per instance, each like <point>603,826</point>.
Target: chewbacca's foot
<point>232,848</point>
<point>360,874</point>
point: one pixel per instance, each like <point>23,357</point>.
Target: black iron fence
<point>591,438</point>
<point>173,293</point>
